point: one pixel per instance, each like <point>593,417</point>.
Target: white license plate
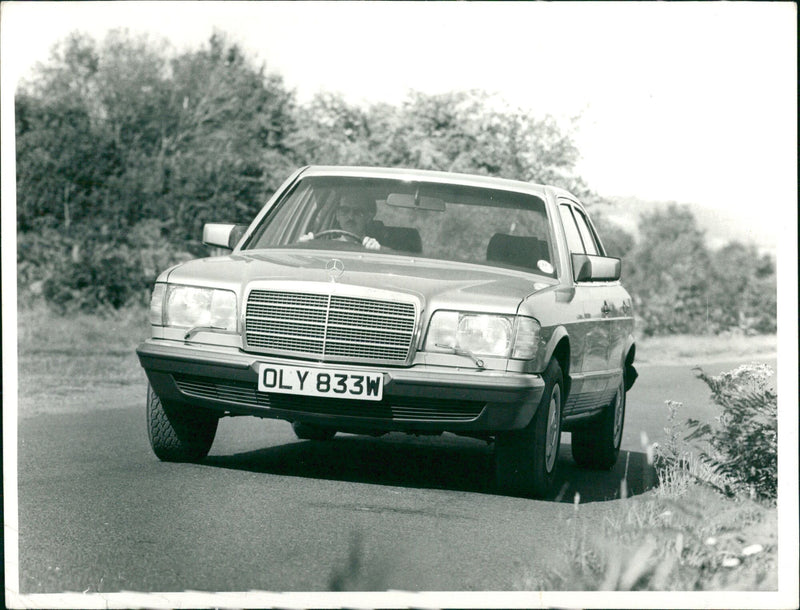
<point>329,383</point>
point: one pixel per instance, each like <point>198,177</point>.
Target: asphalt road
<point>265,511</point>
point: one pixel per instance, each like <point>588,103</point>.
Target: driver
<point>353,214</point>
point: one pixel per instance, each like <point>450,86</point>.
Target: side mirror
<point>223,235</point>
<point>589,268</point>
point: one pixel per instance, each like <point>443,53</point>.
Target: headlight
<point>192,307</point>
<point>483,334</point>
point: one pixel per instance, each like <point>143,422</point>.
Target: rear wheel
<point>310,432</point>
<point>597,446</point>
<point>526,460</point>
<point>178,433</point>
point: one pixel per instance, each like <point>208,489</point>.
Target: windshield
<point>432,220</point>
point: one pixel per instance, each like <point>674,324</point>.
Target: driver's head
<point>355,210</point>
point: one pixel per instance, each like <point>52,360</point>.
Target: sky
<point>687,102</point>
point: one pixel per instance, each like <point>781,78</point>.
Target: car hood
<point>438,284</point>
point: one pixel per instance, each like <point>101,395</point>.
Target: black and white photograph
<point>399,304</point>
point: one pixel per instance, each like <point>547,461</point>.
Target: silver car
<point>370,300</point>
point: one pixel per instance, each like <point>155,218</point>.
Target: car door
<point>616,307</point>
<point>592,334</point>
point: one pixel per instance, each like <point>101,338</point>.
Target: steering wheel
<point>334,233</point>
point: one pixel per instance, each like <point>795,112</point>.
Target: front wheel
<point>597,446</point>
<point>526,460</point>
<point>178,433</point>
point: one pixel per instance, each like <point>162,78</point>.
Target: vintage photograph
<point>397,304</point>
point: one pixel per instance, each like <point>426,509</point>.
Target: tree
<point>742,289</point>
<point>667,271</point>
<point>114,135</point>
<point>470,131</point>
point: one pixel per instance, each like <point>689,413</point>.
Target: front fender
<point>550,347</point>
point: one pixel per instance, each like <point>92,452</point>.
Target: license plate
<point>329,383</point>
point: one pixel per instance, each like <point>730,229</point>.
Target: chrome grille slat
<point>279,312</point>
<point>286,328</point>
<point>336,327</point>
<point>356,335</point>
<point>362,321</point>
<point>283,343</point>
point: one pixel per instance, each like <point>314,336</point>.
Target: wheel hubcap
<point>553,428</point>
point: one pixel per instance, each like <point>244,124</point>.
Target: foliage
<point>680,286</point>
<point>742,290</point>
<point>703,541</point>
<point>668,273</point>
<point>744,441</point>
<point>680,468</point>
<point>93,268</point>
<point>113,135</point>
<point>464,131</point>
<point>697,531</point>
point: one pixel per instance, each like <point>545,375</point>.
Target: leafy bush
<point>93,268</point>
<point>680,468</point>
<point>743,445</point>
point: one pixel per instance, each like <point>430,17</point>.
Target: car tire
<point>526,460</point>
<point>596,446</point>
<point>310,432</point>
<point>178,433</point>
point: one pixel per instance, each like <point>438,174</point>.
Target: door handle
<point>605,309</point>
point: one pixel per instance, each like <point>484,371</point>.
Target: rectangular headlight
<point>192,307</point>
<point>483,334</point>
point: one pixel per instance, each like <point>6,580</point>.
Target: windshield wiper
<point>198,329</point>
<point>463,352</point>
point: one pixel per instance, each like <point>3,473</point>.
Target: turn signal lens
<point>526,342</point>
<point>157,305</point>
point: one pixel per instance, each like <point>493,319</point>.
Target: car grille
<point>245,394</point>
<point>329,327</point>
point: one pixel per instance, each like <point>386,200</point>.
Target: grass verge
<point>691,349</point>
<point>698,540</point>
<point>711,522</point>
<point>60,357</point>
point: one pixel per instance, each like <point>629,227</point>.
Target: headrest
<point>517,250</point>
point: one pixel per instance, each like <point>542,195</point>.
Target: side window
<point>573,237</point>
<point>586,233</point>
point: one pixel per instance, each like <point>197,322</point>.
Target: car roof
<point>428,176</point>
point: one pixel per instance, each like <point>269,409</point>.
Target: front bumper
<point>421,398</point>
